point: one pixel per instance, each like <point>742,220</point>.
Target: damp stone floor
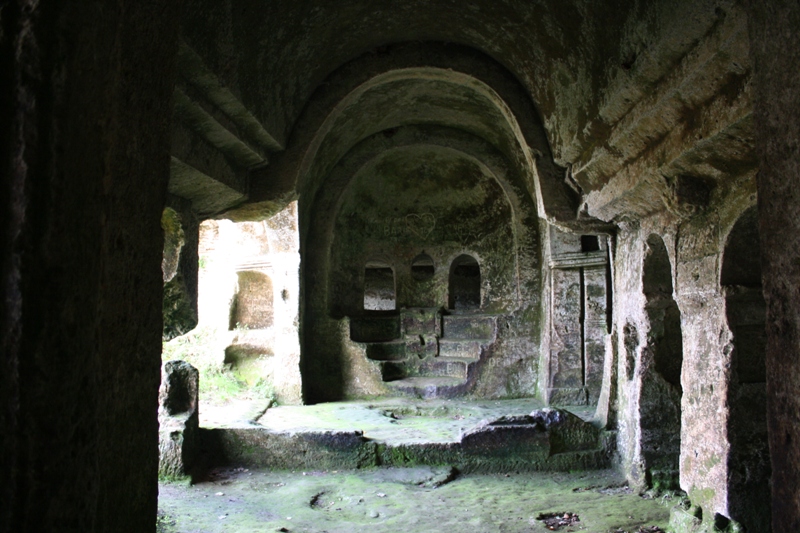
<point>424,499</point>
<point>406,500</point>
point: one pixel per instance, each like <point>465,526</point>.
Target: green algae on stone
<point>389,500</point>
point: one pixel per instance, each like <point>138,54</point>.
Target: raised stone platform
<point>480,436</point>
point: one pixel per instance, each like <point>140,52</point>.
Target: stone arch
<point>745,309</point>
<point>443,101</point>
<point>662,361</point>
<point>252,305</point>
<point>464,284</point>
<point>322,364</point>
<point>318,210</point>
<point>325,130</point>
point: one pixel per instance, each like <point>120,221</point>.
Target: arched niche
<point>420,205</point>
<point>749,461</point>
<point>252,305</point>
<point>422,267</point>
<point>662,361</point>
<point>379,287</point>
<point>464,284</point>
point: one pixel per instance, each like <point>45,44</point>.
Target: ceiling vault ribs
<point>193,70</point>
<point>216,141</point>
<point>696,121</point>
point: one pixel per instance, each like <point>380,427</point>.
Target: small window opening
<point>422,268</point>
<point>465,283</point>
<point>379,291</point>
<point>590,243</point>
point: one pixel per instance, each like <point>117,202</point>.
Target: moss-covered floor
<point>404,500</point>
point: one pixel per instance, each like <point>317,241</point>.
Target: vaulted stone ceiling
<point>609,110</point>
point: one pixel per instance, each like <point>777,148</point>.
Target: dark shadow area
<point>590,243</point>
<point>749,461</point>
<point>663,359</point>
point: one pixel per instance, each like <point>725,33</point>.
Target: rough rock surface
<point>178,420</point>
<point>776,52</point>
<point>180,269</point>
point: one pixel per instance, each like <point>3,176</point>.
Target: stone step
<point>379,327</point>
<point>472,327</point>
<point>437,367</point>
<point>386,351</point>
<point>462,348</point>
<point>421,321</point>
<point>443,366</point>
<point>428,387</point>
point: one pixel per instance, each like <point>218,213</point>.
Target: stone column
<point>85,92</point>
<point>775,49</point>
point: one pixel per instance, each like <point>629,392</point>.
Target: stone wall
<point>179,267</point>
<point>647,352</point>
<point>577,298</point>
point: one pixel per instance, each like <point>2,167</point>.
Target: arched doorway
<point>748,462</point>
<point>464,287</point>
<point>662,360</point>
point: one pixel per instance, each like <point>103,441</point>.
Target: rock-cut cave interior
<point>443,244</point>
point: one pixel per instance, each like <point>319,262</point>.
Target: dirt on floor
<point>406,500</point>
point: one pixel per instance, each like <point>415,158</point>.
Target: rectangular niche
<point>379,290</point>
<point>252,305</point>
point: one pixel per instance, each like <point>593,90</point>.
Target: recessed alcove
<point>422,267</point>
<point>252,305</point>
<point>590,243</point>
<point>402,223</point>
<point>464,284</point>
<point>745,309</point>
<point>379,289</point>
<point>662,362</point>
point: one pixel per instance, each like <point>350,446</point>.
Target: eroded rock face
<point>688,339</point>
<point>178,418</point>
<point>180,269</point>
<point>578,318</point>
